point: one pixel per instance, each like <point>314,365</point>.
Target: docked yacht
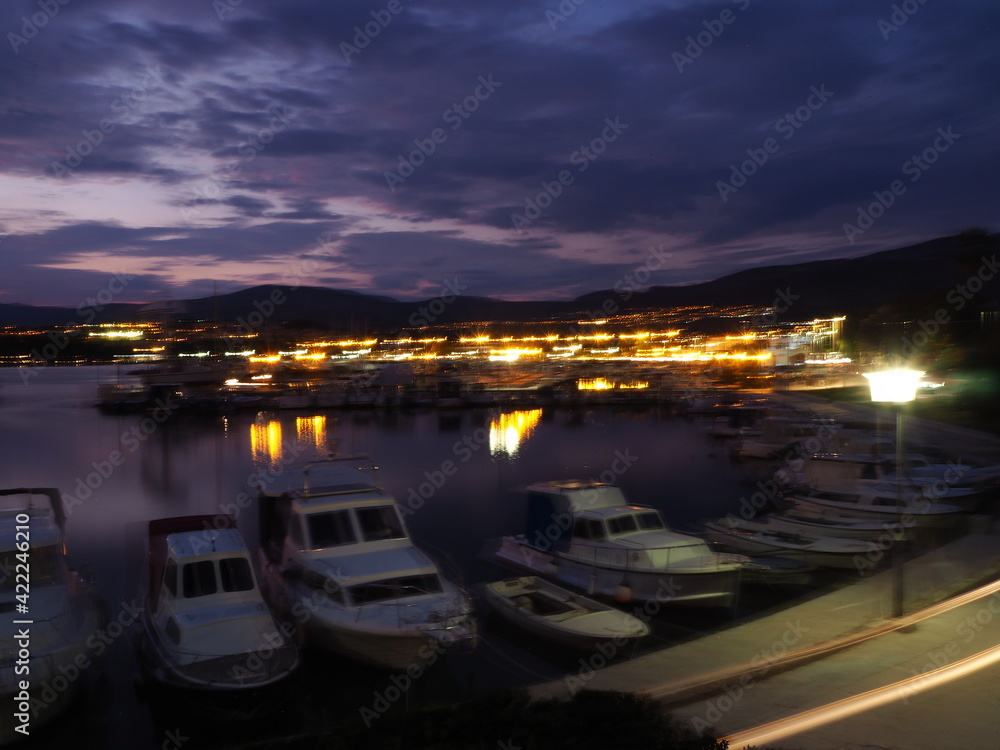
<point>587,535</point>
<point>762,539</point>
<point>205,623</point>
<point>847,473</point>
<point>337,557</point>
<point>41,594</point>
<point>916,512</point>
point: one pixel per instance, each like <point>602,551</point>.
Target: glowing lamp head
<point>894,386</point>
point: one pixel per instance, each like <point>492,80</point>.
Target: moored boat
<point>561,616</point>
<point>586,535</point>
<point>205,623</point>
<point>336,551</point>
<point>752,538</point>
<point>51,613</point>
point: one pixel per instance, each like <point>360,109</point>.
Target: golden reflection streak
<point>777,730</point>
<point>265,442</point>
<point>508,431</point>
<point>312,431</point>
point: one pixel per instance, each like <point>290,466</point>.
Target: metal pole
<point>897,558</point>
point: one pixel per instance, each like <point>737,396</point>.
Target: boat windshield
<point>395,588</point>
<point>236,575</point>
<point>330,529</point>
<point>622,525</point>
<point>45,567</point>
<point>380,523</point>
<point>650,521</point>
<point>200,579</point>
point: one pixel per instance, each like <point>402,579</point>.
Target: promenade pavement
<point>842,642</point>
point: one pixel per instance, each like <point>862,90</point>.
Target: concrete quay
<point>834,645</point>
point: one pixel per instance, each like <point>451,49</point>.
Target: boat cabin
<point>344,536</point>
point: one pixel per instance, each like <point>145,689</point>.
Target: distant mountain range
<point>915,279</point>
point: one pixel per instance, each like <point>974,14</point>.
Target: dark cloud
<point>245,136</point>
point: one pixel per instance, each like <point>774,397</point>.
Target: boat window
<point>170,577</point>
<point>235,573</point>
<point>588,528</point>
<point>868,472</point>
<point>649,521</point>
<point>380,523</point>
<point>330,529</point>
<point>199,579</point>
<point>395,588</point>
<point>621,525</point>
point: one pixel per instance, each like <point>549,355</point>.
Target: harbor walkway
<point>782,662</point>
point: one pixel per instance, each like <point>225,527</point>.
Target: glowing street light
<point>896,387</point>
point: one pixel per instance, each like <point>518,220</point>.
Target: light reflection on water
<point>189,464</point>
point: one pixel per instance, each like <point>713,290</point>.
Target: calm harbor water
<point>456,472</point>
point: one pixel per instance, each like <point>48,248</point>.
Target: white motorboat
<point>830,525</point>
<point>336,555</point>
<point>752,538</point>
<point>915,512</point>
<point>848,473</point>
<point>205,623</point>
<point>778,433</point>
<point>561,616</point>
<point>588,536</point>
<point>49,613</point>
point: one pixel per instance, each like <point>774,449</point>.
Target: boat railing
<point>442,615</point>
<point>652,559</point>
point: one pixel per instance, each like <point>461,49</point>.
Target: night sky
<point>515,149</point>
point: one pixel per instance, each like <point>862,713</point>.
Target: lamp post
<point>896,387</point>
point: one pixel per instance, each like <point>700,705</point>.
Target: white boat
<point>205,623</point>
<point>561,616</point>
<point>42,596</point>
<point>848,473</point>
<point>913,512</point>
<point>586,535</point>
<point>337,556</point>
<point>782,433</point>
<point>830,525</point>
<point>752,538</point>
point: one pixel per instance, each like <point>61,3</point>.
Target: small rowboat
<point>561,616</point>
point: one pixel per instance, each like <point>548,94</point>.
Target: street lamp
<point>896,387</point>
